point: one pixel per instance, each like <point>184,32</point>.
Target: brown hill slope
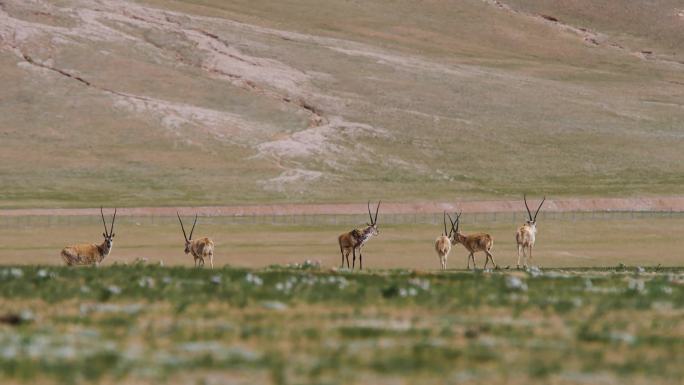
<point>212,102</point>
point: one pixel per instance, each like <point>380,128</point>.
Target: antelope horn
<point>539,208</point>
<point>452,225</point>
<point>445,230</point>
<point>111,231</point>
<point>527,207</point>
<point>370,216</point>
<point>182,227</point>
<point>193,227</point>
<point>103,221</point>
<point>375,221</point>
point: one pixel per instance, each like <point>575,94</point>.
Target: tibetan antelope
<point>443,244</point>
<point>200,248</point>
<point>526,234</point>
<point>473,243</point>
<point>355,239</point>
<point>90,253</point>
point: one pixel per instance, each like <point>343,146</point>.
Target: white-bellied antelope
<point>473,243</point>
<point>90,253</point>
<point>526,234</point>
<point>355,239</point>
<point>443,244</point>
<point>199,248</point>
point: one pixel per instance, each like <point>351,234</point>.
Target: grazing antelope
<point>526,234</point>
<point>443,244</point>
<point>355,239</point>
<point>90,253</point>
<point>473,243</point>
<point>200,248</point>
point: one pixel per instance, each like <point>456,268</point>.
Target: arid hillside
<point>230,102</point>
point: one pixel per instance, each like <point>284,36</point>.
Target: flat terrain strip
<point>675,203</point>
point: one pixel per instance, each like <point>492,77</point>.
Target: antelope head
<point>453,234</point>
<point>108,235</point>
<point>188,241</point>
<point>373,220</point>
<point>532,222</point>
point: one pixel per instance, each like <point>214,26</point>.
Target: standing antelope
<point>443,244</point>
<point>526,234</point>
<point>200,248</point>
<point>473,243</point>
<point>356,238</point>
<point>90,253</point>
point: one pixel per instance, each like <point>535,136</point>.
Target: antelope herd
<point>349,242</point>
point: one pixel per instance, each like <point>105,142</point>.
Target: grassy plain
<point>646,241</point>
<point>146,324</point>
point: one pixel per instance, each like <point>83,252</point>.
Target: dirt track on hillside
<point>551,205</point>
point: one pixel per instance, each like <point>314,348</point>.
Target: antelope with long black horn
<point>443,244</point>
<point>201,248</point>
<point>90,253</point>
<point>355,239</point>
<point>473,243</point>
<point>526,234</point>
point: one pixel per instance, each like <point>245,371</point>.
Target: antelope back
<point>82,254</point>
<point>477,242</point>
<point>526,234</point>
<point>202,246</point>
<point>442,245</point>
<point>346,240</point>
<point>354,238</point>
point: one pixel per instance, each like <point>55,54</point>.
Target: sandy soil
<point>551,205</point>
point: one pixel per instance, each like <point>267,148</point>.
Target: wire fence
<point>338,219</point>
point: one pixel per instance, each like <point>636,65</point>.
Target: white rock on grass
<point>113,289</point>
<point>254,279</point>
<point>637,285</point>
<point>515,283</point>
<point>534,271</point>
<point>274,305</point>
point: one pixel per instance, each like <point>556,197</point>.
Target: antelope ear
<point>104,235</point>
<point>113,235</point>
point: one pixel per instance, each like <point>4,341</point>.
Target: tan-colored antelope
<point>443,244</point>
<point>473,243</point>
<point>90,253</point>
<point>526,234</point>
<point>199,248</point>
<point>355,239</point>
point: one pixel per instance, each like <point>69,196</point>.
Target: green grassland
<point>213,102</point>
<point>304,325</point>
